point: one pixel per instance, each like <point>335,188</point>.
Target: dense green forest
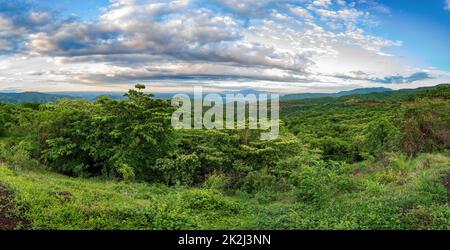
<point>362,161</point>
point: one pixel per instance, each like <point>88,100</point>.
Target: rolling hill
<point>301,96</point>
<point>30,97</point>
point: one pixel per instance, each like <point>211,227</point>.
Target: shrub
<point>426,127</point>
<point>216,181</point>
<point>207,200</point>
<point>425,218</point>
<point>311,183</point>
<point>181,170</point>
<point>126,172</point>
<point>381,137</point>
<point>19,155</point>
<point>259,181</point>
<point>264,197</point>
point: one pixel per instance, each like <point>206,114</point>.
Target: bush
<point>311,184</point>
<point>181,170</point>
<point>208,200</point>
<point>426,218</point>
<point>259,181</point>
<point>217,181</point>
<point>19,156</point>
<point>265,197</point>
<point>319,181</point>
<point>426,127</point>
<point>381,137</point>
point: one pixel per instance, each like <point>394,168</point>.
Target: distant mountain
<point>362,93</point>
<point>244,92</point>
<point>338,94</point>
<point>439,91</point>
<point>30,97</point>
<point>91,96</point>
<point>223,94</point>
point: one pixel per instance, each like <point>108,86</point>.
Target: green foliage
<point>30,97</point>
<point>337,197</point>
<point>52,201</point>
<point>354,128</point>
<point>381,137</point>
<point>354,162</point>
<point>426,126</point>
<point>216,181</point>
<point>182,170</point>
<point>19,156</point>
<point>206,200</point>
<point>259,181</point>
<point>121,139</point>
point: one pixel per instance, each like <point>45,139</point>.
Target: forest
<point>361,161</point>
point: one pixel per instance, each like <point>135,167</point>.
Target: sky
<point>281,46</point>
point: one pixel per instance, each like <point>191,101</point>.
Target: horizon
<point>285,46</point>
<point>219,92</point>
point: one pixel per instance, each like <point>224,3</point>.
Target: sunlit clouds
<point>286,46</point>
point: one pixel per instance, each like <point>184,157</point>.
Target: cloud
<point>18,19</point>
<point>360,75</point>
<point>245,7</point>
<point>375,6</point>
<point>283,44</point>
<point>322,3</point>
<point>301,12</point>
<point>344,14</point>
<point>447,5</point>
<point>402,79</point>
<point>194,34</point>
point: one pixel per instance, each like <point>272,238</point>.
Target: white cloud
<point>322,3</point>
<point>301,12</point>
<point>277,45</point>
<point>341,2</point>
<point>447,5</point>
<point>344,14</point>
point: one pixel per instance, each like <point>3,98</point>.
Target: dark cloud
<point>402,79</point>
<point>363,76</point>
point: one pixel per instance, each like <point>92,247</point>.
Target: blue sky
<point>86,9</point>
<point>424,28</point>
<point>173,45</point>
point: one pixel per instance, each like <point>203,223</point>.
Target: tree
<point>381,137</point>
<point>122,138</point>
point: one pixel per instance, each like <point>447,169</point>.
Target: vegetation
<point>28,97</point>
<point>372,161</point>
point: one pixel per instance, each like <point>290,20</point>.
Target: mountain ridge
<point>301,96</point>
<point>42,97</point>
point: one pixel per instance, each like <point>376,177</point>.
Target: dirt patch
<point>7,220</point>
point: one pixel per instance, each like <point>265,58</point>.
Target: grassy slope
<point>401,193</point>
<point>53,201</point>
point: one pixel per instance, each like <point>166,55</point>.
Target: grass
<point>53,201</point>
<point>396,193</point>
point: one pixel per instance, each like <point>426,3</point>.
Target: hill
<point>378,93</point>
<point>338,94</point>
<point>438,91</point>
<point>30,97</point>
